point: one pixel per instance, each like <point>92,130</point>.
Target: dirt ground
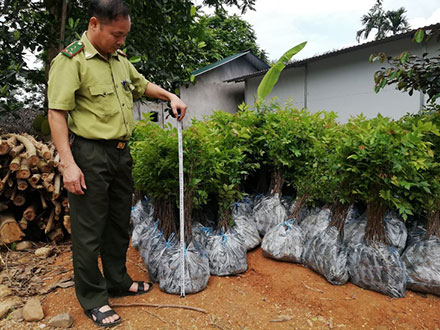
<point>270,295</point>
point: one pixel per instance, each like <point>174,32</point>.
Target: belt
<point>117,144</point>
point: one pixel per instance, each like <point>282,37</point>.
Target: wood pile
<point>32,201</point>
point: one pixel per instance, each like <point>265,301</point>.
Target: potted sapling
<point>422,255</point>
<point>155,172</point>
<point>226,143</point>
<point>380,162</point>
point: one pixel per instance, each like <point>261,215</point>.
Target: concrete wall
<point>141,107</point>
<point>211,93</point>
<point>344,83</point>
<point>291,85</point>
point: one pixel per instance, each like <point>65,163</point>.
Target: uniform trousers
<point>100,220</point>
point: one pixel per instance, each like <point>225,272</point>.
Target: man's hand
<point>177,104</point>
<point>158,92</point>
<point>73,178</point>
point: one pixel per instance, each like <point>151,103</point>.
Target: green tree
<point>384,22</point>
<point>224,35</point>
<point>397,21</point>
<point>244,5</point>
<point>411,73</point>
<point>19,31</point>
<point>162,43</point>
<point>381,162</point>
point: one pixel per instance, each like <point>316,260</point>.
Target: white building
<point>211,92</point>
<point>343,80</point>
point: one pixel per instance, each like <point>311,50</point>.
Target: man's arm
<point>157,92</point>
<point>73,177</point>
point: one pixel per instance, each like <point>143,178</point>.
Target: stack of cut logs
<point>32,201</point>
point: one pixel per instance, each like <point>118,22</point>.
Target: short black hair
<point>108,10</point>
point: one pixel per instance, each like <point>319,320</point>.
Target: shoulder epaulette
<point>121,52</point>
<point>74,48</point>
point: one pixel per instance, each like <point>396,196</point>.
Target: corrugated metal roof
<point>254,60</point>
<point>339,51</point>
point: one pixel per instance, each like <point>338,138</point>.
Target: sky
<point>325,25</point>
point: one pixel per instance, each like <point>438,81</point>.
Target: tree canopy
<point>409,72</point>
<point>384,22</point>
<point>222,35</point>
<point>168,40</point>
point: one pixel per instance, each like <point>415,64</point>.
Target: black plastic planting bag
<point>377,267</point>
<point>354,232</point>
<point>288,203</point>
<point>352,214</point>
<point>149,236</point>
<point>201,233</point>
<point>416,233</point>
<point>226,253</point>
<point>326,254</point>
<point>151,248</point>
<point>256,199</point>
<point>315,224</point>
<point>154,258</point>
<point>141,218</point>
<point>142,212</point>
<point>396,230</point>
<point>248,231</point>
<point>196,269</point>
<point>422,261</point>
<point>307,211</point>
<point>243,208</point>
<point>269,212</point>
<point>284,242</point>
<point>137,233</point>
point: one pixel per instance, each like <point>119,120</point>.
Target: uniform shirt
<point>98,93</point>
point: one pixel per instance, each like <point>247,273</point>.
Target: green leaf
<point>71,22</point>
<point>16,34</point>
<point>435,97</point>
<point>193,10</point>
<point>201,44</point>
<point>419,36</point>
<point>192,78</point>
<point>271,77</point>
<point>404,57</point>
<point>393,75</point>
<point>135,59</point>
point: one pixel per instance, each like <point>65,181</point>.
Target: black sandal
<point>141,290</point>
<point>100,316</point>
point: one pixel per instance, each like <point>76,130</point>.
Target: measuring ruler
<point>181,207</point>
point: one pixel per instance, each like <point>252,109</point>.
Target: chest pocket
<point>105,102</point>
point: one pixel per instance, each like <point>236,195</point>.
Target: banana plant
<point>272,76</point>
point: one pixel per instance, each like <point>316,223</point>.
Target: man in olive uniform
<point>93,84</point>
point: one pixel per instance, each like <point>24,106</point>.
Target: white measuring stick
<point>181,207</point>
